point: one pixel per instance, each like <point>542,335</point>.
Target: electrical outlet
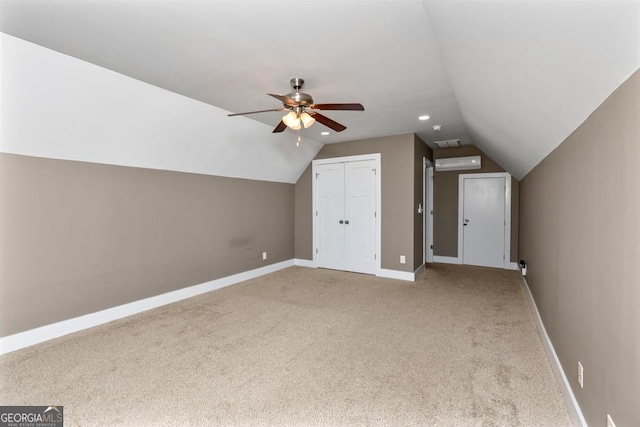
<point>580,375</point>
<point>264,255</point>
<point>610,422</point>
<point>403,259</point>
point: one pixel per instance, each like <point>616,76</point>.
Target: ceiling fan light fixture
<point>291,120</point>
<point>307,120</point>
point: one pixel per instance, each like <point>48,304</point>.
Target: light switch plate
<point>580,375</point>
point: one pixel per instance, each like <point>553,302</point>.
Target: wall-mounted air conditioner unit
<point>458,163</point>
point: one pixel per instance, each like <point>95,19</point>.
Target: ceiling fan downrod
<point>297,83</point>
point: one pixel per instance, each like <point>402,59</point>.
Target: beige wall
<point>580,235</point>
<point>515,218</point>
<point>81,237</point>
<point>445,202</point>
<point>397,191</point>
<point>303,245</point>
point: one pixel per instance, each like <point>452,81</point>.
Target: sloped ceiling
<point>515,78</point>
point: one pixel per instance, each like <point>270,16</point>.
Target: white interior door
<point>360,224</point>
<point>330,213</point>
<point>346,216</point>
<point>484,222</point>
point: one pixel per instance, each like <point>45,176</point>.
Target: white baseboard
<point>575,413</point>
<point>396,274</point>
<point>304,263</point>
<point>455,260</point>
<point>419,271</point>
<point>446,259</point>
<point>44,333</point>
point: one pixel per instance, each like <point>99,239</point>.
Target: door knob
<point>341,222</point>
<point>347,222</point>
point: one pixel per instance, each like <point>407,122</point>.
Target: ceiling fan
<point>301,110</point>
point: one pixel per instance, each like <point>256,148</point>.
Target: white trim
<point>513,266</point>
<point>507,211</point>
<point>446,259</point>
<point>419,271</point>
<point>304,263</point>
<point>373,156</point>
<point>345,159</point>
<point>395,274</point>
<point>575,413</point>
<point>44,333</point>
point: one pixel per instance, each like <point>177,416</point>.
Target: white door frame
<point>374,156</point>
<point>427,208</point>
<point>507,212</point>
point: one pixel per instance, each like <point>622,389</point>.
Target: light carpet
<point>306,347</point>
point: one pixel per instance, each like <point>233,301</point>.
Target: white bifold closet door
<point>346,210</point>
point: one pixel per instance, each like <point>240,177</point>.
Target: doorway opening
<point>427,214</point>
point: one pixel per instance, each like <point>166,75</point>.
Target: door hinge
<point>317,175</point>
<point>431,211</point>
<point>503,256</point>
<point>316,213</point>
<point>431,246</point>
<point>316,250</point>
<point>375,256</point>
<point>374,171</point>
<point>375,214</point>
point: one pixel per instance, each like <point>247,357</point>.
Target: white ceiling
<point>513,77</point>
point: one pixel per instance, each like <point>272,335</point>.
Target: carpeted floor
<point>306,347</point>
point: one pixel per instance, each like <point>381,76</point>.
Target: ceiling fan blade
<point>284,99</point>
<point>328,122</point>
<point>281,126</point>
<point>254,112</point>
<point>351,107</point>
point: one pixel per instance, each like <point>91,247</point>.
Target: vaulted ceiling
<point>515,78</point>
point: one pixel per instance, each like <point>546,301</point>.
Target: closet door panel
<point>360,205</point>
<point>331,233</point>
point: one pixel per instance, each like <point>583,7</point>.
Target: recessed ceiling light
<point>425,117</point>
<point>325,133</point>
<point>437,128</point>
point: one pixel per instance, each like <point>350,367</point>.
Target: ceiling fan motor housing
<point>300,99</point>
